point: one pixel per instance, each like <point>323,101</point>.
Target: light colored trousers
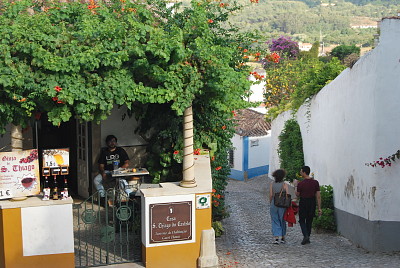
<point>98,184</point>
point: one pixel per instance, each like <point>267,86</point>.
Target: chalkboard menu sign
<point>170,222</point>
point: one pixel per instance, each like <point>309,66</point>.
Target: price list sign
<point>170,222</point>
<point>19,174</point>
<point>55,158</point>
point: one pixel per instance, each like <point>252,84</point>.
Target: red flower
<point>210,21</point>
<point>245,50</point>
<point>223,127</point>
<point>218,168</point>
<point>234,113</point>
<point>57,88</point>
<point>197,151</point>
<point>55,98</point>
<point>176,152</point>
<point>60,102</point>
<point>213,158</point>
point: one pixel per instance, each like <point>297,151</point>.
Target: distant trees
<point>306,20</point>
<point>342,51</point>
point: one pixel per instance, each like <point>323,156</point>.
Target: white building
<point>251,142</point>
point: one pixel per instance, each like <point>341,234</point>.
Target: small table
<point>131,172</point>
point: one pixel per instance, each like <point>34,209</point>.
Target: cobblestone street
<point>247,241</point>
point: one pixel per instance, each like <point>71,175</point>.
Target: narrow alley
<point>247,241</point>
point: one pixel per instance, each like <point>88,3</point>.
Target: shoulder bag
<point>282,199</point>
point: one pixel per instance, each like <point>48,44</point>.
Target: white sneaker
<point>283,241</point>
<point>276,242</point>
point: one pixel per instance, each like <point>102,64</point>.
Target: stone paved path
<point>247,239</point>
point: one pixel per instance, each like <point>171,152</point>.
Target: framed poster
<point>19,174</point>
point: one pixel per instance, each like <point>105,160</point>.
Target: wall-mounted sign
<point>170,222</point>
<point>55,159</point>
<point>19,174</point>
<point>203,201</point>
<point>254,143</point>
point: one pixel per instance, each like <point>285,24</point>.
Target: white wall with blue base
<point>250,156</point>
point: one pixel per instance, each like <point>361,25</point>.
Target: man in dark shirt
<point>309,192</point>
<point>108,157</point>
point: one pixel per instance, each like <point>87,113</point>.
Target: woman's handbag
<point>282,199</point>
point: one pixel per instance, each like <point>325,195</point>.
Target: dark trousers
<point>306,214</point>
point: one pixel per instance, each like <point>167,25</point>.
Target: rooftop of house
<point>251,123</point>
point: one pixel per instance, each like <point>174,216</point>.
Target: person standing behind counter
<point>112,154</point>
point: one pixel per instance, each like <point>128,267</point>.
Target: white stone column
<point>188,161</point>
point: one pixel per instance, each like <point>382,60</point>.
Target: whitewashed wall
<point>120,125</point>
<point>237,142</point>
<point>354,120</point>
<point>259,155</point>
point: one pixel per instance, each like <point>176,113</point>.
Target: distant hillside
<point>332,22</point>
<point>350,22</point>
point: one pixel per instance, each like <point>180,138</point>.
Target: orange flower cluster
<point>254,1</point>
<point>216,198</point>
<point>218,168</point>
<point>92,5</point>
<point>197,151</point>
<point>273,57</point>
<point>257,76</point>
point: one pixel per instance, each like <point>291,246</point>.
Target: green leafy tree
<point>342,51</point>
<point>79,60</point>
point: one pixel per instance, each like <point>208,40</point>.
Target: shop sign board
<point>171,222</point>
<point>55,158</point>
<point>19,174</point>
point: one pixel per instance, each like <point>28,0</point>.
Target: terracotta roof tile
<point>251,123</point>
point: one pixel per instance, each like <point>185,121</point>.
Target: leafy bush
<point>218,228</point>
<point>327,220</point>
<point>290,149</point>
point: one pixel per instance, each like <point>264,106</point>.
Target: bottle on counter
<point>55,189</point>
<point>46,190</point>
<point>64,193</point>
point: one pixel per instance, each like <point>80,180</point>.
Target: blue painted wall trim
<point>257,171</point>
<point>245,153</point>
<point>237,175</point>
<point>251,173</point>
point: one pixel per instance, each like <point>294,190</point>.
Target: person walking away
<point>108,157</point>
<point>277,213</point>
<point>309,192</point>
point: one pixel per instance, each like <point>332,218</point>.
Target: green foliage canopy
<point>74,59</point>
<point>80,60</point>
